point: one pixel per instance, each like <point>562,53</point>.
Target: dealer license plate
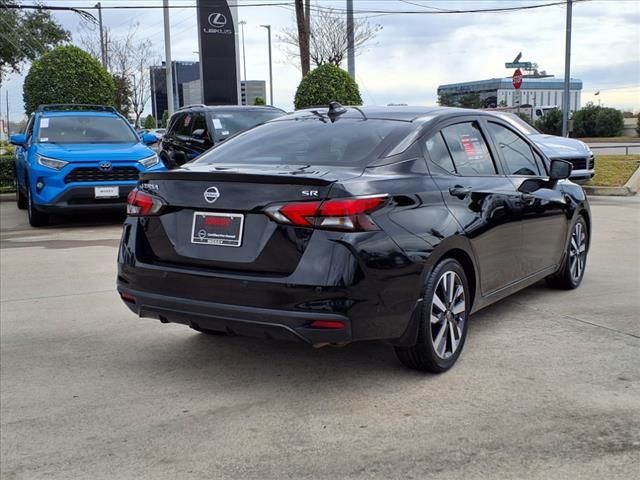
<point>221,229</point>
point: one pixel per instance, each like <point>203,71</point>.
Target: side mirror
<point>199,133</point>
<point>19,139</point>
<point>559,170</point>
<point>149,138</point>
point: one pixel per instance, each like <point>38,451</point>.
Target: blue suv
<point>75,158</point>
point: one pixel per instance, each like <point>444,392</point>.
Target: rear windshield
<point>226,124</point>
<point>306,141</point>
<point>85,129</point>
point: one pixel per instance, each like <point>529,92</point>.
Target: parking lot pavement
<point>548,385</point>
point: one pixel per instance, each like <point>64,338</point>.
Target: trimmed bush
<point>67,74</point>
<point>551,123</point>
<point>325,84</point>
<point>597,121</point>
<point>149,122</point>
<point>7,174</point>
<point>259,101</point>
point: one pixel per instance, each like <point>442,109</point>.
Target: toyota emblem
<point>105,166</point>
<point>211,194</point>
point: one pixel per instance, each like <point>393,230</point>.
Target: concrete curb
<point>7,197</point>
<point>629,189</point>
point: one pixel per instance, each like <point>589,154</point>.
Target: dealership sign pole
<point>219,66</point>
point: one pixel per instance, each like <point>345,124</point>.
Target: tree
<point>123,95</point>
<point>328,38</point>
<point>551,122</point>
<point>26,36</point>
<point>165,119</point>
<point>596,121</point>
<point>129,60</point>
<point>259,101</point>
<point>67,74</point>
<point>470,100</point>
<point>149,122</point>
<point>325,84</point>
<point>446,100</point>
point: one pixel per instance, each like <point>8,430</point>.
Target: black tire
<point>571,272</point>
<point>36,217</point>
<point>21,199</point>
<point>424,355</point>
<point>216,333</point>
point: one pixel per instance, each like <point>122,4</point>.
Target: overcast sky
<point>413,54</point>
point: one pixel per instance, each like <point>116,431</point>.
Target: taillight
<point>142,204</point>
<point>350,214</point>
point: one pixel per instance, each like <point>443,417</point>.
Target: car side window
<point>516,152</point>
<point>183,125</point>
<point>28,130</point>
<point>469,150</point>
<point>439,153</point>
<point>200,123</point>
<point>173,124</point>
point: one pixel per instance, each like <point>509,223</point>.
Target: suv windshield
<point>229,123</point>
<point>306,141</point>
<point>85,129</point>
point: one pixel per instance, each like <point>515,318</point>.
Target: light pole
<point>167,52</point>
<point>566,103</point>
<point>242,23</point>
<point>103,52</point>
<point>268,27</point>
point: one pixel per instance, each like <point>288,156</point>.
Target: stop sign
<point>517,79</point>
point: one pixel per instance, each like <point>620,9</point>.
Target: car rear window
<point>74,129</point>
<point>229,123</point>
<point>305,141</point>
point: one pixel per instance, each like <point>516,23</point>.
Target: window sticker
<point>217,124</point>
<point>44,139</point>
<point>44,123</point>
<point>225,132</point>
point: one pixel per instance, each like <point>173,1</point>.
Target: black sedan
<point>333,225</point>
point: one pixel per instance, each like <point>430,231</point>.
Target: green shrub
<point>259,101</point>
<point>325,84</point>
<point>149,122</point>
<point>165,119</point>
<point>597,121</point>
<point>67,74</point>
<point>7,174</point>
<point>551,123</point>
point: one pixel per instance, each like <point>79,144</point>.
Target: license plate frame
<point>205,234</point>
<point>111,191</point>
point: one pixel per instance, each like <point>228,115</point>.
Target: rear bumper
<point>236,319</point>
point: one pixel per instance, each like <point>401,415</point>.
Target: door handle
<point>459,191</point>
<point>527,198</point>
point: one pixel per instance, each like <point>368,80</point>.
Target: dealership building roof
<point>528,83</point>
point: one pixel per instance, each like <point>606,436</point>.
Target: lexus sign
<point>218,53</point>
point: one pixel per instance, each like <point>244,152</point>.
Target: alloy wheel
<point>577,251</point>
<point>448,314</point>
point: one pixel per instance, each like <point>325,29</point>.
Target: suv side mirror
<point>149,138</point>
<point>19,139</point>
<point>559,170</point>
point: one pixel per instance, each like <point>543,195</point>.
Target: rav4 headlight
<point>149,161</point>
<point>51,162</point>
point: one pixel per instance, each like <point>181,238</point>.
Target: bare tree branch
<point>328,39</point>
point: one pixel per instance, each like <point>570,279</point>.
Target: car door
<point>480,197</point>
<point>544,216</point>
<point>199,139</point>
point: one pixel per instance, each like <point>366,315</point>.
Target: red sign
<point>517,79</point>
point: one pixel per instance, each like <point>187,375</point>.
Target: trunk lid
<point>237,195</point>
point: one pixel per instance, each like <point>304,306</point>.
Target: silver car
<point>573,151</point>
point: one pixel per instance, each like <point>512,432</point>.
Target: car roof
<point>399,113</point>
<point>227,108</point>
<point>84,113</point>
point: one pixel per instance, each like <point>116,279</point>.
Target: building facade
<point>252,89</point>
<point>534,92</point>
<point>183,72</point>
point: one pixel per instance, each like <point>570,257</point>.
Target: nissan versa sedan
<point>334,225</point>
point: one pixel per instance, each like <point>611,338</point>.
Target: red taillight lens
<point>350,214</point>
<point>142,204</point>
<point>327,324</point>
